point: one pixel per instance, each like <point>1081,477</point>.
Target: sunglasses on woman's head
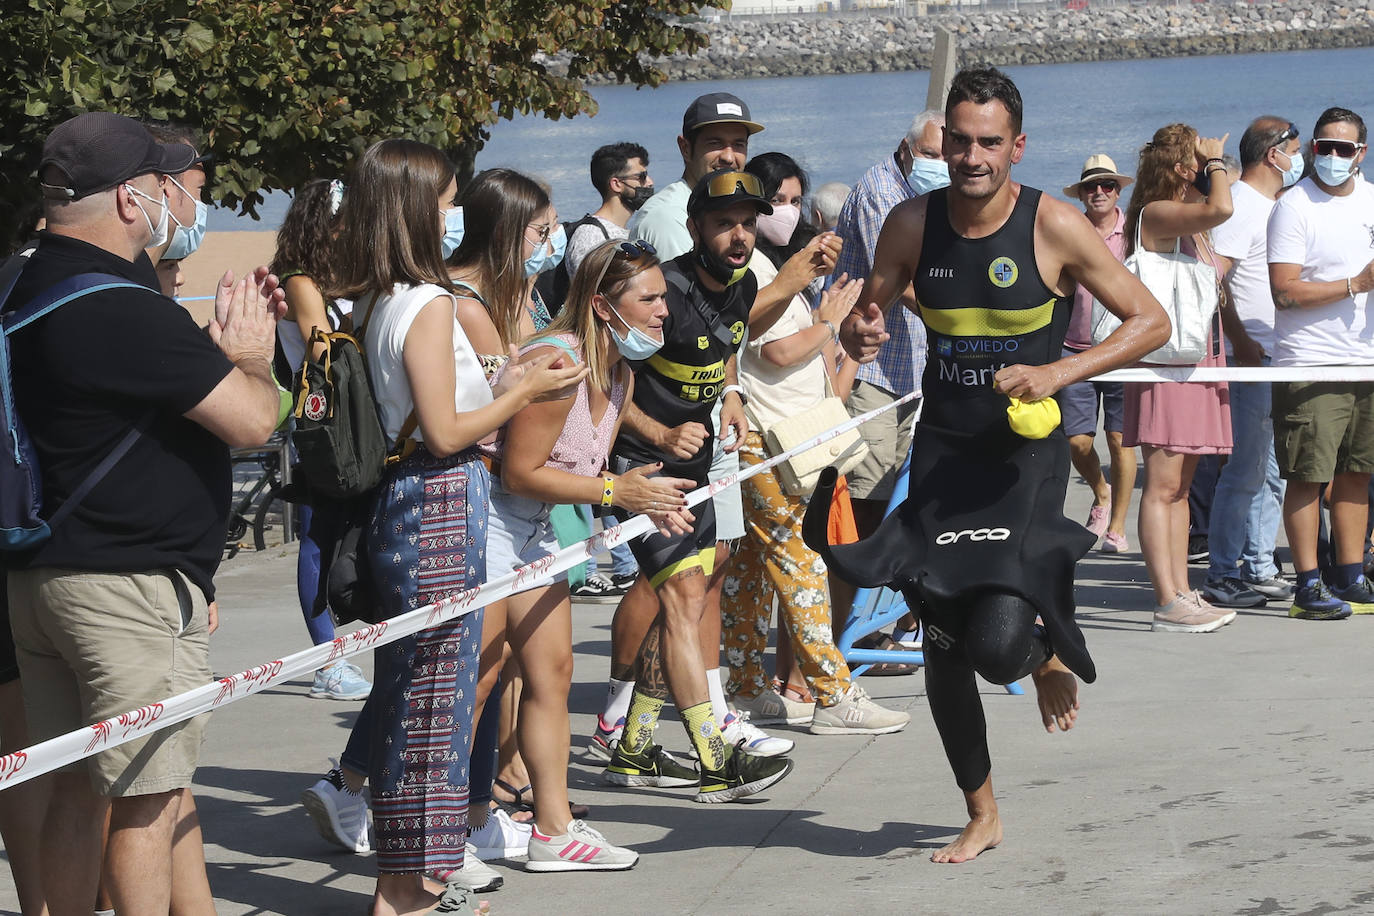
<point>632,251</point>
<point>1346,149</point>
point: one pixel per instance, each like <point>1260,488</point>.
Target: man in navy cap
<point>113,612</point>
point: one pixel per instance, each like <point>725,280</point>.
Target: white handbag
<point>798,474</point>
<point>1185,286</point>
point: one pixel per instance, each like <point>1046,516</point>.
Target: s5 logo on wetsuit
<point>972,534</point>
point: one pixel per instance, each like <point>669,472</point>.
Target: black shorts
<point>661,557</point>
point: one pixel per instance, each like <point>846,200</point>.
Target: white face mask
<point>160,230</point>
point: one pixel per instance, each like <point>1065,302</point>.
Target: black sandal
<point>519,802</point>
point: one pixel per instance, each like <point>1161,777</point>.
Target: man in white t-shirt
<point>1321,270</point>
<point>1249,492</point>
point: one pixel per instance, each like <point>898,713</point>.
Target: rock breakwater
<point>1036,34</point>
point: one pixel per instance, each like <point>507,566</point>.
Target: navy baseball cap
<point>95,151</point>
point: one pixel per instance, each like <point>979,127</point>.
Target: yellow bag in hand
<point>1033,419</point>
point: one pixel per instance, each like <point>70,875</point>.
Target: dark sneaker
<point>654,767</point>
<point>1315,602</point>
<point>623,582</point>
<point>1359,596</point>
<point>1275,587</point>
<point>1197,548</point>
<point>743,775</point>
<point>597,586</point>
<point>1231,592</point>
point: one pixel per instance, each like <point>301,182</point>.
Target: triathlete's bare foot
<point>1056,690</point>
<point>984,831</point>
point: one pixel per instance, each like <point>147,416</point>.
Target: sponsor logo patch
<point>316,405</point>
<point>972,534</point>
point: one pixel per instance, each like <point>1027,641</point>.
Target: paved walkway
<point>1220,774</point>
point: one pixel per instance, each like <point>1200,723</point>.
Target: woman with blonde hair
<point>1181,192</point>
<point>554,453</point>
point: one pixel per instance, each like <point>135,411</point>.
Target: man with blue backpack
<point>122,412</point>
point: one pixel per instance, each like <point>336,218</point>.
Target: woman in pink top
<point>553,453</point>
<point>1176,422</point>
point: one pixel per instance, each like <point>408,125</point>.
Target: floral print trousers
<point>773,560</point>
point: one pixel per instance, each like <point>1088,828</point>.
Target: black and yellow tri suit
<point>681,384</point>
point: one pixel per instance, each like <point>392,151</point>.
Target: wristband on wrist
<point>735,388</point>
<point>1349,290</point>
<point>607,490</point>
<point>834,334</point>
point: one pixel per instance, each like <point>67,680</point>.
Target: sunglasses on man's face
<point>1345,149</point>
<point>1107,186</point>
<point>640,177</point>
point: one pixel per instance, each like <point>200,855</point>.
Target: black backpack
<point>338,431</point>
<point>553,285</point>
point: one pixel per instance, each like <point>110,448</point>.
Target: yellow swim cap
<point>1033,419</point>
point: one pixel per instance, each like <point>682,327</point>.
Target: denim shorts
<point>519,532</point>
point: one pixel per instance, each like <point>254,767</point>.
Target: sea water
<point>838,126</point>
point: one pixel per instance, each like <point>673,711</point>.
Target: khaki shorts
<point>889,442</point>
<point>94,645</point>
<point>1322,429</point>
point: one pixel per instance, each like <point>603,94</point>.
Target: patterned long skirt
<point>427,542</point>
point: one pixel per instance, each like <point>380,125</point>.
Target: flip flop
<point>519,803</point>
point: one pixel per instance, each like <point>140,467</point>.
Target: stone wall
<point>1048,33</point>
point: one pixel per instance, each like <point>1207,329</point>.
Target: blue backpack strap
<point>62,292</point>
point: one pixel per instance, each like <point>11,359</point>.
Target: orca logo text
<point>973,534</point>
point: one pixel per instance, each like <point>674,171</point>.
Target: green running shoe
<point>654,767</point>
<point>743,775</point>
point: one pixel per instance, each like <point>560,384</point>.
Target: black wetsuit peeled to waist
<point>981,544</point>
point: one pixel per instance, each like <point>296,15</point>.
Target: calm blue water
<point>837,126</point>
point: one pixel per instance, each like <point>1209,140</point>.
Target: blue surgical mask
<point>1293,173</point>
<point>1333,170</point>
<point>453,231</point>
<point>927,175</point>
<point>538,262</point>
<point>559,240</point>
<point>635,345</point>
<point>186,239</point>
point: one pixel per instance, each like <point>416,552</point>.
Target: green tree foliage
<point>288,90</point>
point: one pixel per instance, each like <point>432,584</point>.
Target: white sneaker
<point>751,739</point>
<point>501,837</point>
<point>340,816</point>
<point>856,714</point>
<point>475,875</point>
<point>772,708</point>
<point>579,848</point>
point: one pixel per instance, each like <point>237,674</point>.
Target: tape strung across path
<point>1239,374</point>
<point>49,755</point>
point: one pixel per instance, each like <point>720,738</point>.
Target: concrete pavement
<point>1227,773</point>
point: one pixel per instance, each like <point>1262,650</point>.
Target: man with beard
<point>620,174</point>
<point>677,383</point>
<point>981,545</point>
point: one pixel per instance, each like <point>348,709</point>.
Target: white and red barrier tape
<point>49,755</point>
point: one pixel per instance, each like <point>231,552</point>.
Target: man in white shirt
<point>1321,241</point>
<point>1249,492</point>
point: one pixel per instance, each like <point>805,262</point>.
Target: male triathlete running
<point>982,545</point>
<point>710,292</point>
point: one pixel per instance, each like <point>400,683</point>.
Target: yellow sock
<point>705,735</point>
<point>640,722</point>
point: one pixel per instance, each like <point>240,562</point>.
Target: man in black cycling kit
<point>710,292</point>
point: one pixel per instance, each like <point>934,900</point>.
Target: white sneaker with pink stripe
<point>579,848</point>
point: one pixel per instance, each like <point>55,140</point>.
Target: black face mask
<point>717,269</point>
<point>637,197</point>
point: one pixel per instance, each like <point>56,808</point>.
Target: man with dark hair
<point>620,174</point>
<point>710,290</point>
<point>1249,492</point>
<point>114,610</point>
<point>982,546</point>
<point>1321,271</point>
